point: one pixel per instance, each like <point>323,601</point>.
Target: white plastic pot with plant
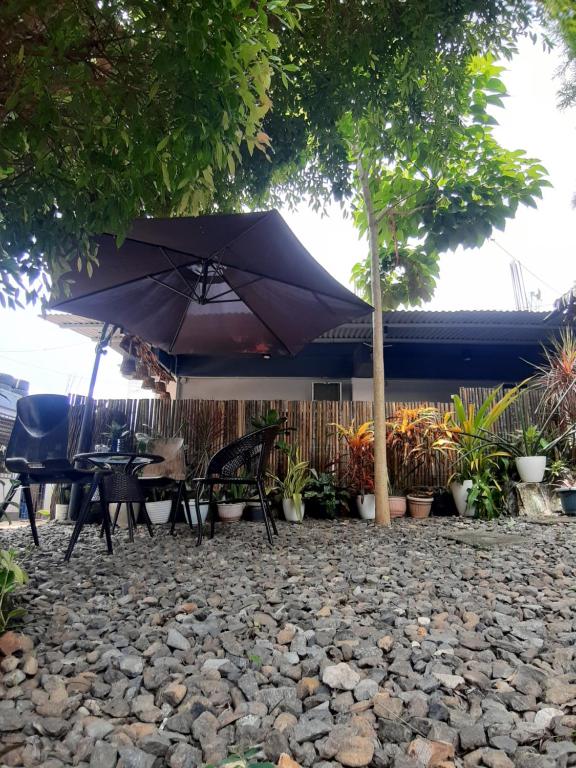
<point>232,502</point>
<point>292,486</point>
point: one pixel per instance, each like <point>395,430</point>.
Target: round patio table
<point>122,486</point>
<point>128,462</point>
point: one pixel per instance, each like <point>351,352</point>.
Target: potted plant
<point>420,500</point>
<point>397,500</point>
<point>324,496</point>
<point>117,436</point>
<point>566,490</point>
<point>231,502</point>
<point>416,437</point>
<point>469,425</point>
<point>292,486</point>
<point>359,465</point>
<point>61,502</point>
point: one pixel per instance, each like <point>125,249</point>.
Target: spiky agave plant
<point>556,379</point>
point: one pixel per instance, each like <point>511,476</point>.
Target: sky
<point>543,240</point>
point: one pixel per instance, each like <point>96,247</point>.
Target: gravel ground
<point>345,645</point>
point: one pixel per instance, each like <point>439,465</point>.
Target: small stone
<point>96,727</point>
<point>30,666</point>
<point>449,681</point>
<point>173,694</point>
<point>103,755</point>
<point>285,761</point>
<point>14,642</point>
<point>358,752</point>
<point>310,729</point>
<point>185,756</point>
<point>132,757</point>
<point>472,737</point>
<point>341,677</point>
<point>177,640</point>
<point>131,666</point>
<point>307,686</point>
<point>285,720</point>
<point>494,758</point>
<point>386,643</point>
<point>544,717</point>
<point>286,634</point>
<point>430,754</point>
<point>365,690</point>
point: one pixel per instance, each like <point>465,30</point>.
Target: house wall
<point>357,389</point>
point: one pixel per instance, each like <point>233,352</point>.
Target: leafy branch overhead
<point>428,201</point>
<point>118,109</point>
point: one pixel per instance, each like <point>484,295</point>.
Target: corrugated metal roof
<point>458,326</point>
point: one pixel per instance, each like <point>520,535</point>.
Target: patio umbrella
<point>227,284</point>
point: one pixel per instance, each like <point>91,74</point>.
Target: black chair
<point>38,453</point>
<point>250,453</point>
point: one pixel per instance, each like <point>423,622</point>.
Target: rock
<point>365,690</point>
<point>472,737</point>
<point>185,756</point>
<point>544,717</point>
<point>103,755</point>
<point>307,686</point>
<point>393,731</point>
<point>386,643</point>
<point>173,694</point>
<point>494,758</point>
<point>177,640</point>
<point>131,666</point>
<point>341,677</point>
<point>558,691</point>
<point>430,754</point>
<point>357,752</point>
<point>97,728</point>
<point>30,666</point>
<point>12,643</point>
<point>132,757</point>
<point>386,707</point>
<point>275,745</point>
<point>284,721</point>
<point>310,729</point>
<point>286,634</point>
<point>449,681</point>
<point>285,761</point>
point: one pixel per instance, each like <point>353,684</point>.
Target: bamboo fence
<point>310,422</point>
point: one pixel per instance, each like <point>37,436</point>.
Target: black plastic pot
<point>568,500</point>
<point>253,514</point>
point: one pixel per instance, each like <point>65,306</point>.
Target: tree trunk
<point>380,466</point>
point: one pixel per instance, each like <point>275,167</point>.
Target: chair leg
<point>82,517</point>
<point>211,511</point>
<point>116,516</point>
<point>265,511</point>
<point>199,489</point>
<point>130,518</point>
<point>31,513</point>
<point>8,498</point>
<point>147,520</point>
<point>268,513</point>
<point>174,510</point>
<point>105,519</point>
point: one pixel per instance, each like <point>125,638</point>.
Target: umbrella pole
<point>85,437</point>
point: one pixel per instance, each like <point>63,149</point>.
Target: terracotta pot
<point>230,513</point>
<point>366,506</point>
<point>397,506</point>
<point>531,468</point>
<point>419,507</point>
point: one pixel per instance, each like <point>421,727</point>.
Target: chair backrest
<point>174,464</point>
<point>39,437</point>
<point>251,452</point>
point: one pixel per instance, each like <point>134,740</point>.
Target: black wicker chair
<point>250,453</point>
<point>38,453</point>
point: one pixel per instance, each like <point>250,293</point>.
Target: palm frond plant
<point>12,577</point>
<point>292,485</point>
<point>555,378</point>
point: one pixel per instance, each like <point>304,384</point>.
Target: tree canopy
<point>120,108</point>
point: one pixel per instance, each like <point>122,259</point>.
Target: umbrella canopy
<point>212,285</point>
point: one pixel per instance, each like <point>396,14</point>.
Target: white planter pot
<point>366,506</point>
<point>204,509</point>
<point>460,496</point>
<point>531,468</point>
<point>294,513</point>
<point>230,513</point>
<point>61,513</point>
<point>159,511</point>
